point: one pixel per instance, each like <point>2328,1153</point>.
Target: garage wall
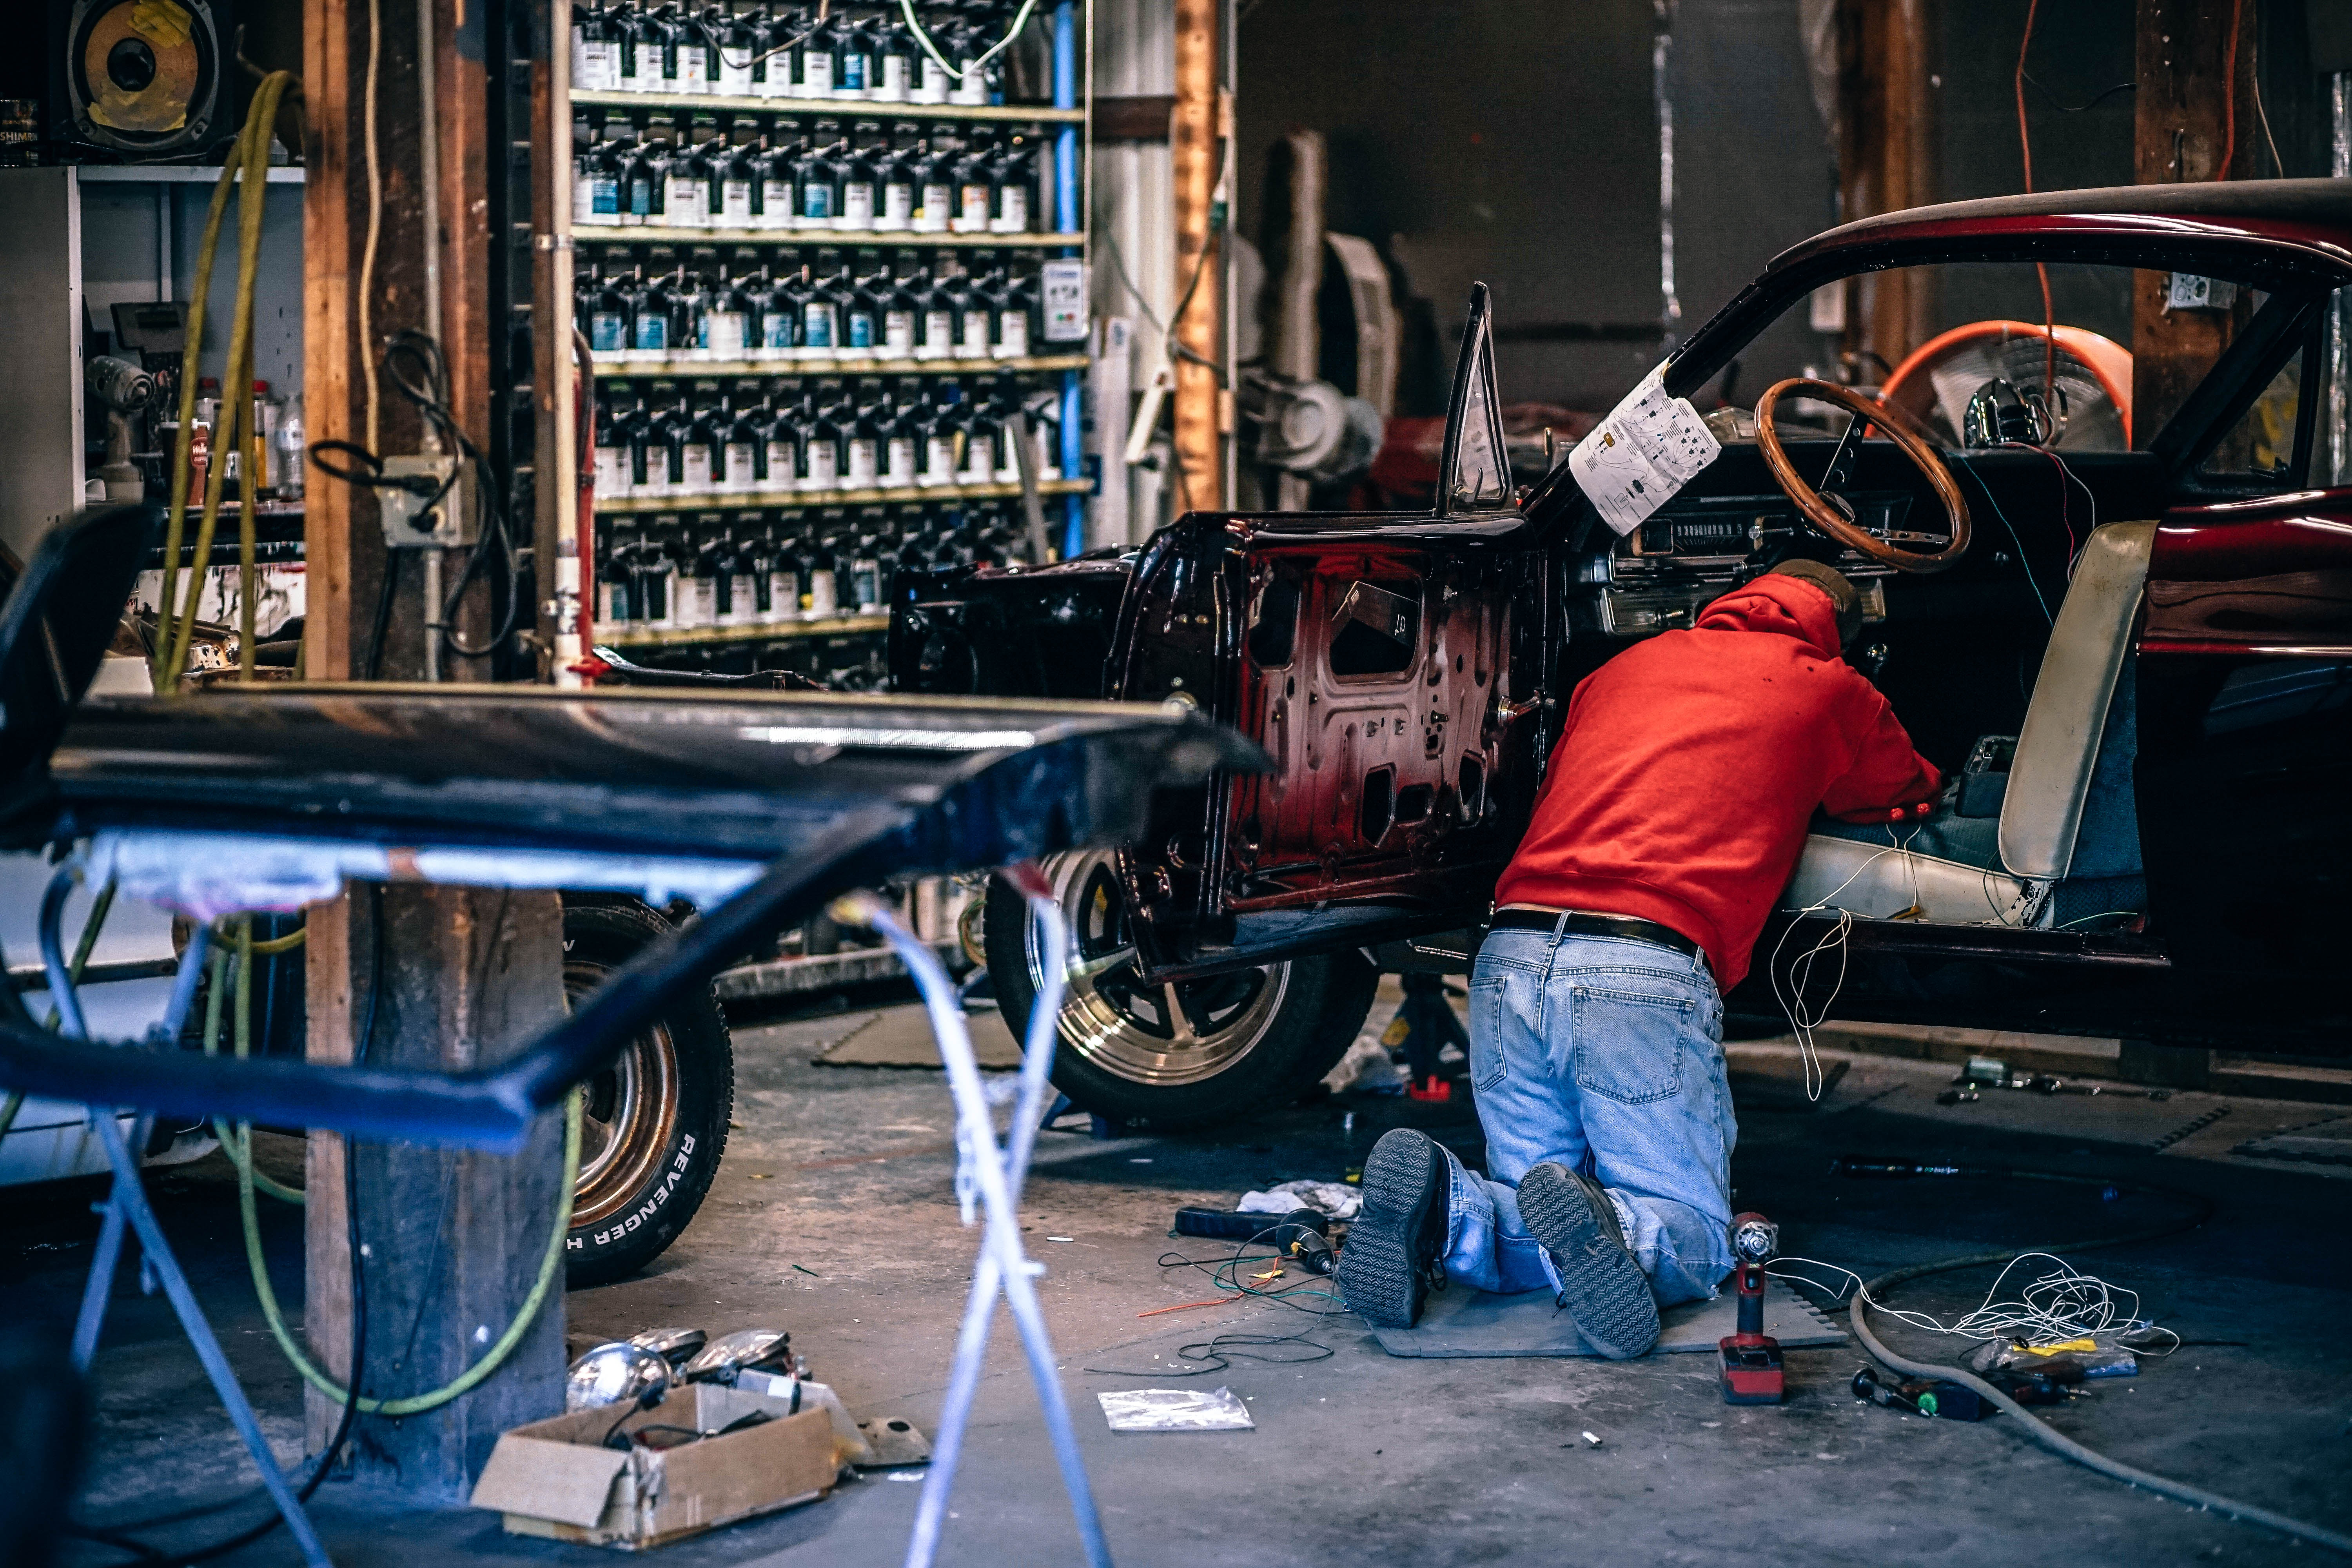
<point>1515,142</point>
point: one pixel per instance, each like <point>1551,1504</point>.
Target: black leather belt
<point>1578,923</point>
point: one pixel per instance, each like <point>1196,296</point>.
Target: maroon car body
<point>1405,672</point>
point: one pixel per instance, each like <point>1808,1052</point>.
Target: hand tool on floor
<point>1749,1360</point>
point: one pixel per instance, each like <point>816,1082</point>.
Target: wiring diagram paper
<point>1651,446</point>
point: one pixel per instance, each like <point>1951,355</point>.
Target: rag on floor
<point>1333,1200</point>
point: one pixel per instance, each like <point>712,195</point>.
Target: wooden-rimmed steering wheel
<point>1837,524</point>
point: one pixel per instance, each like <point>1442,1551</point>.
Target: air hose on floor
<point>1872,1293</point>
<point>238,1143</point>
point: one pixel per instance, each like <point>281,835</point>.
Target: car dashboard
<point>1733,523</point>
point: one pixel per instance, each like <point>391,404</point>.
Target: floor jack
<point>1749,1360</point>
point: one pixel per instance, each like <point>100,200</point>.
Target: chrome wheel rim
<point>1163,1035</point>
<point>627,1114</point>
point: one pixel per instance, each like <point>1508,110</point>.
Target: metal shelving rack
<point>1067,117</point>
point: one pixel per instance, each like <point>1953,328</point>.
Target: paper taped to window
<point>1649,447</point>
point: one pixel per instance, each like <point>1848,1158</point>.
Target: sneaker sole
<point>1601,1285</point>
<point>1379,1276</point>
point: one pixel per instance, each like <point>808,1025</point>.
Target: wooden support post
<point>449,976</point>
<point>1201,131</point>
<point>2195,80</point>
<point>1885,162</point>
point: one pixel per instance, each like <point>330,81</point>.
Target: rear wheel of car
<point>1185,1055</point>
<point>654,1124</point>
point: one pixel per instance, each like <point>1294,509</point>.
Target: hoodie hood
<point>1776,603</point>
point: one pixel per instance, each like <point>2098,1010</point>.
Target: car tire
<point>1249,1041</point>
<point>654,1125</point>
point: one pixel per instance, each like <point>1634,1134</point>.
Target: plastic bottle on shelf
<point>901,441</point>
<point>894,62</point>
<point>649,318</point>
<point>593,65</point>
<point>976,313</point>
<point>975,170</point>
<point>822,596</point>
<point>817,58</point>
<point>819,175</point>
<point>976,86</point>
<point>930,83</point>
<point>1015,297</point>
<point>1012,177</point>
<point>738,46</point>
<point>633,429</point>
<point>898,310</point>
<point>861,313</point>
<point>935,318</point>
<point>610,469</point>
<point>821,441</point>
<point>661,31</point>
<point>725,556</point>
<point>636,51</point>
<point>616,608</point>
<point>698,73</point>
<point>820,316</point>
<point>658,574</point>
<point>855,212</point>
<point>666,431</point>
<point>940,430</point>
<point>735,178</point>
<point>863,448</point>
<point>780,446</point>
<point>771,190</point>
<point>702,453</point>
<point>894,173</point>
<point>690,311</point>
<point>981,436</point>
<point>933,168</point>
<point>698,584</point>
<point>864,594</point>
<point>754,572</point>
<point>727,319</point>
<point>740,441</point>
<point>771,71</point>
<point>786,577</point>
<point>855,78</point>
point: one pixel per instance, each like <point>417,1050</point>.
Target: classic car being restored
<point>2131,650</point>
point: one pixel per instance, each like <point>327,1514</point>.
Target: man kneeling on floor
<point>1673,813</point>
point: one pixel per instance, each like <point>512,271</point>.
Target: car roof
<point>2271,233</point>
<point>2306,213</point>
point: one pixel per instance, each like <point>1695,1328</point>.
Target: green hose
<point>549,1268</point>
<point>238,1143</point>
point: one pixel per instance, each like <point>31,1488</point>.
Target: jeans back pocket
<point>1629,1046</point>
<point>1488,1065</point>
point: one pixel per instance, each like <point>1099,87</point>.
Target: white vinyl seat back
<point>2058,747</point>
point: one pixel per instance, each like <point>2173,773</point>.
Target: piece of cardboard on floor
<point>901,1037</point>
<point>1465,1323</point>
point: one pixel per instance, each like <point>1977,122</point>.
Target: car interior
<point>2011,667</point>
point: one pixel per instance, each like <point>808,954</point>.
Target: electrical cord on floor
<point>1873,1294</point>
<point>343,1426</point>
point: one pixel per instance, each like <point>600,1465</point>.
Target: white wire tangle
<point>2062,1304</point>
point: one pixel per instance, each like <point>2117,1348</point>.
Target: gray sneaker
<point>1601,1283</point>
<point>1396,1245</point>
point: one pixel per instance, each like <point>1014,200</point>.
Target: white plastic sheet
<point>1176,1410</point>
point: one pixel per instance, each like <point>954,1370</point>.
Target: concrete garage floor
<point>847,1173</point>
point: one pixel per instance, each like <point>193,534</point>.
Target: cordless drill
<point>1749,1360</point>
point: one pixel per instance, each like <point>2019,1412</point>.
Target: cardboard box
<point>555,1479</point>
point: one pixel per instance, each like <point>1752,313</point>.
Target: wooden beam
<point>1201,137</point>
<point>2193,119</point>
<point>1885,162</point>
<point>446,977</point>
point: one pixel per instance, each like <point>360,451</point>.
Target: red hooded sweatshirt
<point>1691,764</point>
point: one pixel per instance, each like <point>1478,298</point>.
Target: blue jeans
<point>1605,1055</point>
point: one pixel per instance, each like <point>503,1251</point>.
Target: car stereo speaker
<point>140,79</point>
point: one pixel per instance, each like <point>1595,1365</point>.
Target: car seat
<point>2063,847</point>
